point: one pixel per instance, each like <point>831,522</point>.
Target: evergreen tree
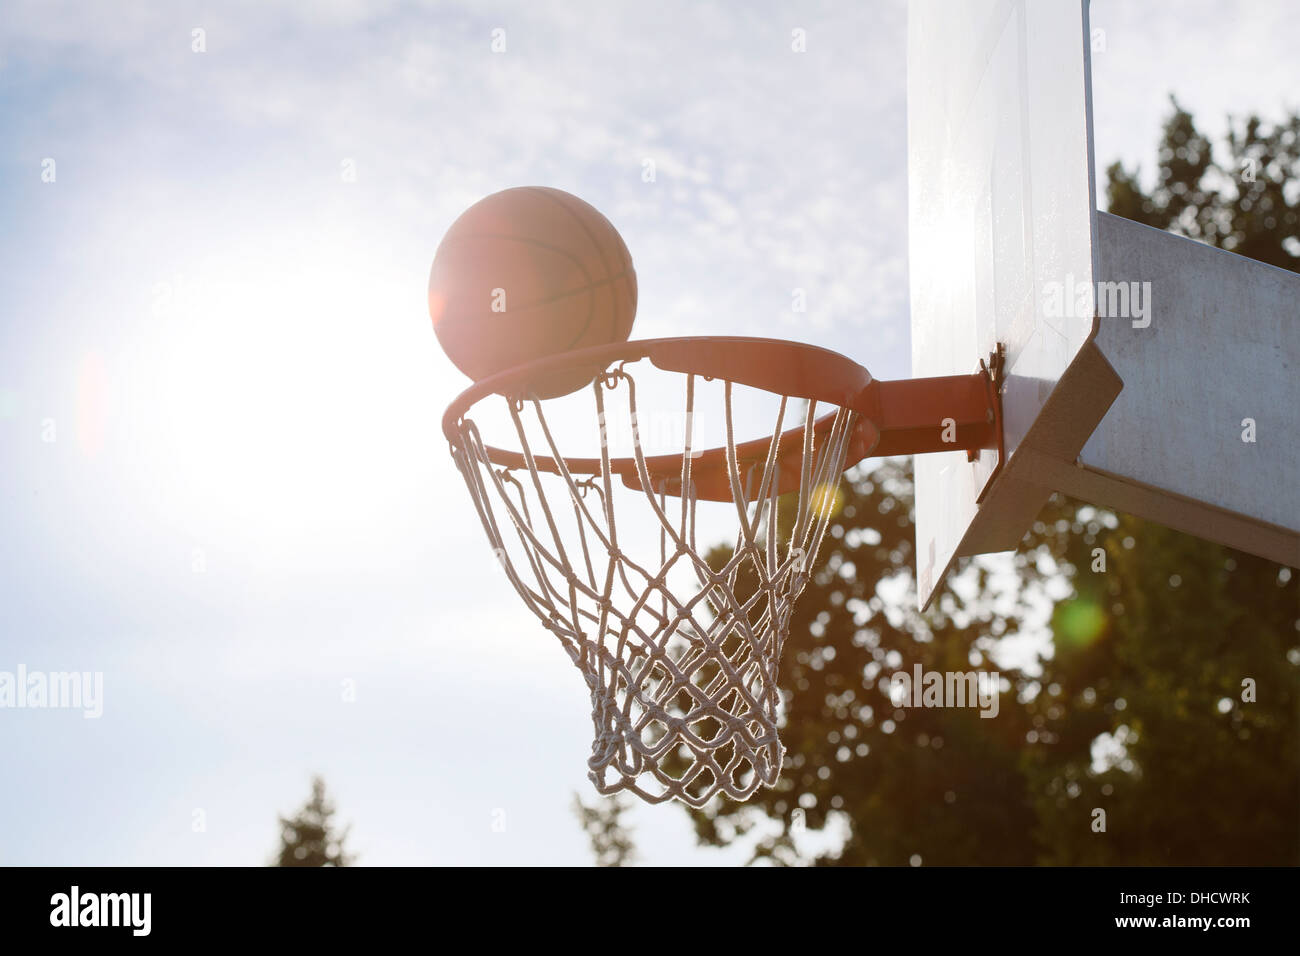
<point>310,838</point>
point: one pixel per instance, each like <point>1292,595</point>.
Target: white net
<point>679,644</point>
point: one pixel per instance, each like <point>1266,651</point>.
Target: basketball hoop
<point>680,655</point>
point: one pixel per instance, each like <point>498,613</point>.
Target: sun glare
<point>293,404</point>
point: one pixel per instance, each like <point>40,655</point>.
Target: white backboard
<point>1002,235</point>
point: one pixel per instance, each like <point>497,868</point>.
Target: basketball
<point>530,272</point>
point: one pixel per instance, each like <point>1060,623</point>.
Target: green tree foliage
<point>1139,704</point>
<point>310,838</point>
<point>1159,651</point>
<point>611,841</point>
<point>1247,203</point>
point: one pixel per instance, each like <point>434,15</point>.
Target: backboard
<point>1002,245</point>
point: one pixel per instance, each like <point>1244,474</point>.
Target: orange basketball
<point>530,272</point>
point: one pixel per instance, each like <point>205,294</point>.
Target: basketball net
<point>684,692</point>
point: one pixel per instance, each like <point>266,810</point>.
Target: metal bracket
<point>996,372</point>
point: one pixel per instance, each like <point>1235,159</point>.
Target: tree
<point>1171,704</point>
<point>310,838</point>
<point>1247,204</point>
<point>1139,706</point>
<point>611,840</point>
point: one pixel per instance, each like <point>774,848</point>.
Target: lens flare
<point>827,500</point>
<point>1079,623</point>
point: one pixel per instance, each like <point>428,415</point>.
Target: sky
<point>223,485</point>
